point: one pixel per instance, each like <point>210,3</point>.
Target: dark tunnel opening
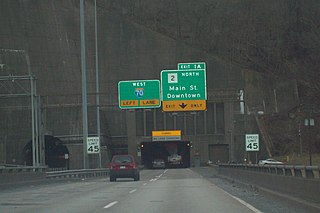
<point>164,150</point>
<point>56,154</point>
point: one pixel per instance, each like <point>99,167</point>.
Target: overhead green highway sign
<point>139,94</point>
<point>183,90</point>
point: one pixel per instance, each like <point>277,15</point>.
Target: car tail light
<point>133,165</point>
<point>112,166</point>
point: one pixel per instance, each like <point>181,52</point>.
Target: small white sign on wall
<point>252,142</point>
<point>93,145</point>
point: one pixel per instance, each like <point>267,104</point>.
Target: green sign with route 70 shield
<point>139,94</point>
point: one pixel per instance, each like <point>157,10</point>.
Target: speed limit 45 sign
<point>93,145</point>
<point>252,142</point>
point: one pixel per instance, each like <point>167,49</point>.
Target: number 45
<point>93,148</point>
<point>254,146</point>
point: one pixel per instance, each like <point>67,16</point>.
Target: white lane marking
<point>145,184</point>
<point>110,204</point>
<point>243,202</point>
<point>158,176</point>
<point>247,205</point>
<point>132,191</point>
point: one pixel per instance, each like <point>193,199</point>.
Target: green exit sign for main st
<point>183,90</point>
<point>183,85</point>
<point>139,94</point>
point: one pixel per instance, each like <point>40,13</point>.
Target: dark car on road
<point>124,166</point>
<point>158,163</point>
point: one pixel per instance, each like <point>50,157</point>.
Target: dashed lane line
<point>110,204</point>
<point>132,191</point>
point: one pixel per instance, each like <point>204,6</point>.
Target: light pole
<point>309,122</point>
<point>84,85</point>
<point>300,142</point>
<point>97,78</point>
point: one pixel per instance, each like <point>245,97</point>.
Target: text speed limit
<point>252,142</point>
<point>93,145</point>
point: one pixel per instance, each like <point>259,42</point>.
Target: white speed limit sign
<point>252,142</point>
<point>93,145</point>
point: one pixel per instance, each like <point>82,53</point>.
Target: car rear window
<point>122,159</point>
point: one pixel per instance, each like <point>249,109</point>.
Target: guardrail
<point>309,172</point>
<point>12,169</point>
<point>300,182</point>
<point>81,173</point>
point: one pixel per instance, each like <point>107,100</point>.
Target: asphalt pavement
<point>197,189</point>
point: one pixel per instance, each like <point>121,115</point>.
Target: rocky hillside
<point>281,38</point>
<point>278,38</point>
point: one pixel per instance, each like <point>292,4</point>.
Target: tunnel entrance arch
<point>56,154</point>
<point>165,150</point>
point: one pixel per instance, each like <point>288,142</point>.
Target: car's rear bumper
<point>175,162</point>
<point>159,166</point>
<point>124,173</point>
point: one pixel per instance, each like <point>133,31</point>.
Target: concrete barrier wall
<point>300,187</point>
<point>22,175</point>
<point>18,175</point>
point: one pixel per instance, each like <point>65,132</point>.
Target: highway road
<point>197,189</point>
<point>173,190</point>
